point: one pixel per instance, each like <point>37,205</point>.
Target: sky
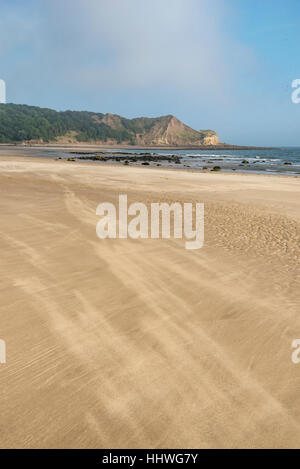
<point>225,65</point>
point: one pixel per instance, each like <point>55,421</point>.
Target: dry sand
<point>136,344</point>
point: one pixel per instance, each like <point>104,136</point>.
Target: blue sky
<point>227,65</point>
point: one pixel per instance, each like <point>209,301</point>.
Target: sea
<point>284,160</point>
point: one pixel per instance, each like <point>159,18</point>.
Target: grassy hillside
<point>19,123</point>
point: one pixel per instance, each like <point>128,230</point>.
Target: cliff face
<point>165,130</point>
<point>20,123</point>
<point>211,140</point>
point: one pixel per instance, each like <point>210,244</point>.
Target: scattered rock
<point>131,157</point>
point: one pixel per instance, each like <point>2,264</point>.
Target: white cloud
<point>109,54</point>
<point>140,43</point>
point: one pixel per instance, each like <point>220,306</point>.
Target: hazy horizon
<point>221,65</point>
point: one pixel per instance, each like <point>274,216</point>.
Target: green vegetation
<point>21,123</point>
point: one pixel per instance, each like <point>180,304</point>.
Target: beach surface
<point>142,343</point>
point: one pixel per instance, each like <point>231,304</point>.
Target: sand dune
<point>141,343</point>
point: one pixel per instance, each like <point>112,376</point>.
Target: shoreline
<point>137,147</point>
<point>173,168</point>
<point>212,162</point>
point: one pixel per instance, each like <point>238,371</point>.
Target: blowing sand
<point>141,343</point>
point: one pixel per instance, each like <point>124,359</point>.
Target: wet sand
<point>142,343</point>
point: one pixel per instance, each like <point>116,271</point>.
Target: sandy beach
<point>142,343</point>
